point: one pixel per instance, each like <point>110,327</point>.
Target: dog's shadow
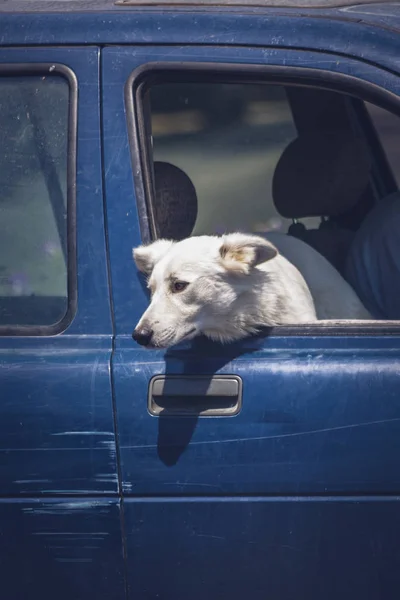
<point>202,358</point>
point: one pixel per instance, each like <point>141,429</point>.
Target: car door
<point>267,468</point>
<point>60,531</point>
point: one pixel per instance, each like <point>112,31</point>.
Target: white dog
<point>226,288</point>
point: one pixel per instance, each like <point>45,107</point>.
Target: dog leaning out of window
<point>228,287</point>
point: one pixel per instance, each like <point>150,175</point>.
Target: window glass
<point>228,139</point>
<point>33,207</point>
<point>387,126</point>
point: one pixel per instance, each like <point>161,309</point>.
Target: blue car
<point>266,469</point>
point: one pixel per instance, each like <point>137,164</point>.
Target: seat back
<point>175,203</point>
<point>322,174</point>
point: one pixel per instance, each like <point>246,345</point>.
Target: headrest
<point>175,206</point>
<point>321,174</point>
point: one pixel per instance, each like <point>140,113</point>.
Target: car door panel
<point>267,501</point>
<point>304,399</point>
<point>56,423</point>
<point>61,548</point>
<point>280,548</point>
<point>291,436</point>
<point>59,505</point>
<point>56,430</point>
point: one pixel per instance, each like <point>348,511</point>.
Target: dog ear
<point>241,252</point>
<point>146,257</point>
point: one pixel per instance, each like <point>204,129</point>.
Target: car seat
<point>322,174</point>
<point>175,204</point>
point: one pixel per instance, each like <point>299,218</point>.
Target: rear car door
<point>60,531</point>
<point>269,468</point>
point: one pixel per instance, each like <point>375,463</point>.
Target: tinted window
<point>33,199</point>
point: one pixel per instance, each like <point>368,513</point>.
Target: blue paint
<point>297,496</point>
<point>264,548</point>
<point>312,422</point>
<point>224,27</point>
<point>61,549</point>
<point>56,417</point>
<point>51,385</point>
<point>320,416</point>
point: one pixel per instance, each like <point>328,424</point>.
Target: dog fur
<point>235,285</point>
<point>231,286</point>
<point>333,297</point>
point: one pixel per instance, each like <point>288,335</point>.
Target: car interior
<point>326,179</point>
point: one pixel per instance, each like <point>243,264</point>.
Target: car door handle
<point>185,395</point>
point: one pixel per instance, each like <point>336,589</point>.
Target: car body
<point>266,469</point>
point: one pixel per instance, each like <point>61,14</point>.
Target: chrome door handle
<point>186,395</point>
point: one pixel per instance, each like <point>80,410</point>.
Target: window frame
<point>50,69</point>
<point>144,76</point>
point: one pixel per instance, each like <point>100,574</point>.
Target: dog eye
<point>179,286</point>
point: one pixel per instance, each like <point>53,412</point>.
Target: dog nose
<point>143,335</point>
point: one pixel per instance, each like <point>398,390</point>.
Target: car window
<point>220,157</point>
<point>33,199</point>
<point>387,126</point>
<point>227,138</point>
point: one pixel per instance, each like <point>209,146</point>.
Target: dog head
<point>196,286</point>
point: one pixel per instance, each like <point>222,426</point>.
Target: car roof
<point>265,3</point>
<point>378,13</point>
<point>95,5</point>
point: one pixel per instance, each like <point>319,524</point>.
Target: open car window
<point>221,156</point>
